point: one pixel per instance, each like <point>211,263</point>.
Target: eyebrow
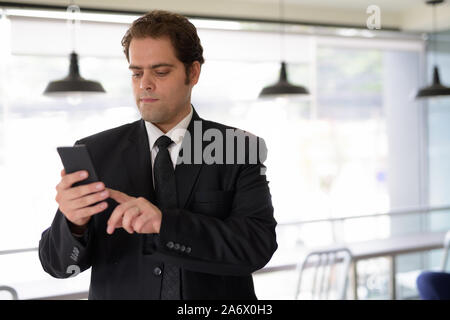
<point>153,66</point>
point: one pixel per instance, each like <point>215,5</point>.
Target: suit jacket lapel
<point>186,174</point>
<point>137,159</point>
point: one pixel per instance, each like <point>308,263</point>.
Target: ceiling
<point>407,15</point>
<point>389,5</point>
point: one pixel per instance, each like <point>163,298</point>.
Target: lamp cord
<point>282,40</point>
<point>73,23</point>
<point>434,46</point>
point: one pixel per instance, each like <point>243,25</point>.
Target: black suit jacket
<point>221,232</point>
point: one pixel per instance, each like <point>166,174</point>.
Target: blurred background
<point>359,168</point>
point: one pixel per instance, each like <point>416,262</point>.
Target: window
<point>329,155</point>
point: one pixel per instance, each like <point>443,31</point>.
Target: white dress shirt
<point>176,134</point>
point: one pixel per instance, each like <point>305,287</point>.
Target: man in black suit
<point>174,217</point>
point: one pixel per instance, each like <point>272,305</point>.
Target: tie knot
<point>163,142</point>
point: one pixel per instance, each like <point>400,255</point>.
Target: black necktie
<point>166,195</point>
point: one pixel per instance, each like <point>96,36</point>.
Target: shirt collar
<point>176,133</point>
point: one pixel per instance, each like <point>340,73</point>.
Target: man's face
<point>159,81</point>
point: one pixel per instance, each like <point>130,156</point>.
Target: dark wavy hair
<point>181,32</point>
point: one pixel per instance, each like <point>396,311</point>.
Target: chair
<point>434,285</point>
<point>325,264</point>
<point>12,291</point>
<point>446,248</point>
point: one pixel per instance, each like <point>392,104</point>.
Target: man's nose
<point>147,83</point>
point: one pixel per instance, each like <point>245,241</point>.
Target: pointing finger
<point>120,197</point>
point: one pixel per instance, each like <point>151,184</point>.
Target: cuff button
<point>157,271</point>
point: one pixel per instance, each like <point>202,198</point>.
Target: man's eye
<point>161,73</point>
<point>135,75</point>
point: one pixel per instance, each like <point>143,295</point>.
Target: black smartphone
<point>77,158</point>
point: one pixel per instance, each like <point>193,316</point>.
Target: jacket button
<point>157,271</point>
<point>170,244</point>
<point>176,246</point>
<point>188,249</point>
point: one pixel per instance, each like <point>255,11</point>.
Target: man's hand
<point>74,202</point>
<point>133,214</point>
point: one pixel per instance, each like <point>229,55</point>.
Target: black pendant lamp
<point>73,82</point>
<point>436,89</point>
<point>282,87</point>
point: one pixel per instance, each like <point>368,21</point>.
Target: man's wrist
<point>77,230</point>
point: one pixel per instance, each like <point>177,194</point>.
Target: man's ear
<point>194,72</point>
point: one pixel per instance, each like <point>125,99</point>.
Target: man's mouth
<point>148,100</point>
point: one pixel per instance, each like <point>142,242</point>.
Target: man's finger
<point>83,190</point>
<point>69,179</point>
<point>116,216</point>
<point>90,211</point>
<point>118,213</point>
<point>120,197</point>
<point>140,222</point>
<point>87,200</point>
<point>128,217</point>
